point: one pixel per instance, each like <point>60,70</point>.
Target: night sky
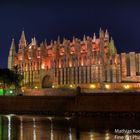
<point>48,19</point>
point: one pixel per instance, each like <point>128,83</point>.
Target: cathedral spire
<point>112,48</point>
<point>22,36</point>
<point>12,48</point>
<point>73,39</point>
<point>84,38</point>
<point>51,43</point>
<point>58,39</point>
<point>106,35</point>
<point>94,38</point>
<point>101,34</point>
<point>22,41</point>
<point>11,56</point>
<point>34,41</point>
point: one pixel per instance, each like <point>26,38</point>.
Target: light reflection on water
<point>34,129</point>
<point>51,129</point>
<point>21,128</point>
<point>9,127</point>
<point>58,128</point>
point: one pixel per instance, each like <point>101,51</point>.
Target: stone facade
<point>71,63</point>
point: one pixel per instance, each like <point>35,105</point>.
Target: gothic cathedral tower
<point>22,41</point>
<point>11,57</point>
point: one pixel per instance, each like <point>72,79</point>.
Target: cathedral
<point>92,62</point>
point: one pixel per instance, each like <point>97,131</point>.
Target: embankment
<point>95,103</point>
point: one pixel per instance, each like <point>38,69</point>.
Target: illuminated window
<point>83,49</point>
<point>72,50</point>
<point>62,51</point>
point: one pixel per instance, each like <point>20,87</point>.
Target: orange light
<point>82,63</point>
<point>59,65</point>
<point>70,85</point>
<point>92,86</point>
<point>70,64</point>
<point>126,86</point>
<point>43,66</point>
<point>107,86</point>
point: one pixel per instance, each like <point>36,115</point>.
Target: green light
<point>8,92</point>
<point>11,91</point>
<point>1,92</point>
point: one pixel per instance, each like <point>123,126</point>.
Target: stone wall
<point>121,102</point>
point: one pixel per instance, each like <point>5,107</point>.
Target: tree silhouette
<point>10,78</point>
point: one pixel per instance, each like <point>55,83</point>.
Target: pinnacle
<point>22,36</point>
<point>13,43</point>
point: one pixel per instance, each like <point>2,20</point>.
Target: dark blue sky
<point>48,19</point>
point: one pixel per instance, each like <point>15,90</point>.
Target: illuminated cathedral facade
<point>92,62</point>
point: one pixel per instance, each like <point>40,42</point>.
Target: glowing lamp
<point>71,86</point>
<point>10,91</point>
<point>53,86</point>
<point>59,65</point>
<point>93,86</point>
<point>126,87</point>
<point>70,65</point>
<point>107,86</point>
<point>30,47</point>
<point>43,66</point>
<point>36,87</point>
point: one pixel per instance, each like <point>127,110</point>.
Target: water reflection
<point>51,129</point>
<point>14,127</point>
<point>34,129</point>
<point>21,128</point>
<point>9,127</point>
<point>70,134</point>
<point>107,136</point>
<point>91,135</point>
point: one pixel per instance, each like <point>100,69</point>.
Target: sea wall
<point>50,92</point>
<point>124,102</point>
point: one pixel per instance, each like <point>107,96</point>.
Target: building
<point>90,63</point>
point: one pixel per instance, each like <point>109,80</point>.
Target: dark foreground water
<point>13,127</point>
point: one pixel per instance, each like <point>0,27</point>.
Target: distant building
<point>92,62</point>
